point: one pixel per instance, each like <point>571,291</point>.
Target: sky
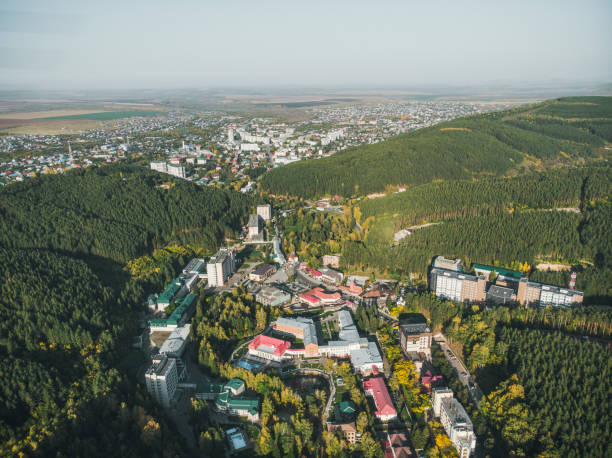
<point>130,44</point>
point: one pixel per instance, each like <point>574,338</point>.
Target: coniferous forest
<point>495,144</point>
<point>68,306</point>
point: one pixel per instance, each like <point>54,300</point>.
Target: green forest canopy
<point>566,130</point>
<point>68,309</point>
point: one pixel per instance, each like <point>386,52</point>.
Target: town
<point>315,336</point>
<point>220,148</point>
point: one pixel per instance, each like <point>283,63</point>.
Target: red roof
<point>382,399</point>
<point>280,346</point>
<point>310,298</point>
<point>321,294</point>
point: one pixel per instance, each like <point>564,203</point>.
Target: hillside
<point>69,309</point>
<point>566,130</point>
<point>116,212</point>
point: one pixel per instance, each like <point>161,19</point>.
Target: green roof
<point>347,407</point>
<point>243,404</point>
<point>169,292</point>
<point>499,270</point>
<point>211,387</point>
<point>235,384</point>
<point>158,322</point>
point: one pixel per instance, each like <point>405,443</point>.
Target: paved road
<point>463,374</point>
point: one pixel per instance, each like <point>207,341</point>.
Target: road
<point>463,374</point>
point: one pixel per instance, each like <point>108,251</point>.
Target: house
<point>397,445</point>
<point>347,429</point>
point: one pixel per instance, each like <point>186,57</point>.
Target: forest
<point>116,212</point>
<point>544,372</point>
<point>457,199</point>
<point>567,131</point>
<point>78,253</point>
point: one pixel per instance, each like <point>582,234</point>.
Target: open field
<point>36,127</point>
<point>44,114</point>
<point>103,115</point>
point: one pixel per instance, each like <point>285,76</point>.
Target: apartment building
<point>455,420</point>
<point>457,286</point>
<point>539,294</point>
<point>220,267</point>
<point>162,379</point>
<point>265,212</point>
<point>416,338</point>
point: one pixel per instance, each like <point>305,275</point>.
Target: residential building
<point>331,260</point>
<point>397,445</point>
<point>348,430</point>
<point>265,212</point>
<point>416,337</point>
<point>254,226</point>
<point>177,170</point>
<point>162,379</point>
<point>273,297</point>
<point>220,267</point>
<point>262,273</point>
<point>377,389</point>
<point>531,293</point>
<point>455,420</point>
<point>457,286</point>
<point>159,167</point>
<point>448,264</point>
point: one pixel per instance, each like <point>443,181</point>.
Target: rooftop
<point>381,396</point>
<point>500,271</point>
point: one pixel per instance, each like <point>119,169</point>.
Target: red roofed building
<point>268,347</point>
<point>310,300</point>
<point>429,380</point>
<point>353,288</point>
<point>326,298</point>
<point>376,388</point>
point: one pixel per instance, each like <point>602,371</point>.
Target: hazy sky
<point>175,44</point>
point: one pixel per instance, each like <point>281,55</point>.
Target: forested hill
<point>565,130</point>
<point>116,212</point>
<point>68,308</point>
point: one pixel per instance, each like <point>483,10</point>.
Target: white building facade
<point>162,379</point>
<point>220,267</point>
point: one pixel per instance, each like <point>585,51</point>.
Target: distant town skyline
<point>112,45</point>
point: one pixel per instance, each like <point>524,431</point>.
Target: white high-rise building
<point>230,134</point>
<point>455,420</point>
<point>265,211</point>
<point>220,267</point>
<point>177,171</point>
<point>159,167</point>
<point>162,379</point>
